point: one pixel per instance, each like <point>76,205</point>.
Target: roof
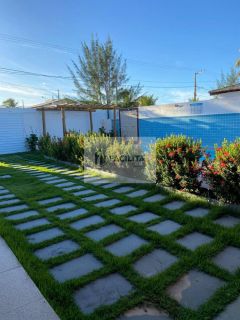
<point>228,89</point>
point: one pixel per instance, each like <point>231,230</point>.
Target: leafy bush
<point>32,142</point>
<point>223,172</point>
<point>69,148</point>
<point>177,162</point>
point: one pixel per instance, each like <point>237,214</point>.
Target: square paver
<point>45,235</point>
<point>143,217</point>
<point>6,176</point>
<point>107,203</point>
<point>155,262</point>
<point>104,291</point>
<point>138,193</point>
<point>76,268</point>
<point>95,197</point>
<point>76,187</point>
<point>47,177</point>
<point>91,179</point>
<point>154,198</point>
<point>51,200</point>
<point>198,212</point>
<point>32,224</point>
<point>231,312</point>
<point>126,245</point>
<point>65,184</point>
<point>194,289</point>
<point>111,185</point>
<point>67,205</point>
<point>194,240</point>
<point>100,182</point>
<point>83,192</point>
<point>72,214</point>
<point>7,196</point>
<point>4,191</point>
<point>123,189</point>
<point>83,223</point>
<point>145,311</point>
<point>103,232</point>
<point>123,210</point>
<point>228,221</point>
<point>165,228</point>
<point>56,181</point>
<point>57,249</point>
<point>8,202</point>
<point>174,205</point>
<point>228,259</point>
<point>23,215</point>
<point>14,208</point>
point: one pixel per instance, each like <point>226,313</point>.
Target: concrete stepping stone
<point>45,235</point>
<point>123,189</point>
<point>138,193</point>
<point>6,176</point>
<point>123,210</point>
<point>32,224</point>
<point>228,259</point>
<point>76,268</point>
<point>165,228</point>
<point>3,191</point>
<point>174,205</point>
<point>227,221</point>
<point>95,197</point>
<point>231,312</point>
<point>7,196</point>
<point>83,176</point>
<point>83,192</point>
<point>143,217</point>
<point>57,249</point>
<point>23,215</point>
<point>194,240</point>
<point>72,214</point>
<point>99,182</point>
<point>76,187</point>
<point>55,181</point>
<point>1,188</point>
<point>155,262</point>
<point>41,175</point>
<point>67,205</point>
<point>111,185</point>
<point>14,208</point>
<point>194,289</point>
<point>50,200</point>
<point>103,232</point>
<point>8,202</point>
<point>198,212</point>
<point>103,291</point>
<point>65,184</point>
<point>154,198</point>
<point>48,178</point>
<point>107,203</point>
<point>126,245</point>
<point>83,223</point>
<point>91,179</point>
<point>145,311</point>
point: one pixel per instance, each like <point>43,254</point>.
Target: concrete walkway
<point>20,299</point>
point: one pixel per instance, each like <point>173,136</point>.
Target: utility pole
<point>195,84</point>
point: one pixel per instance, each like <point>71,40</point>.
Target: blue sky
<point>164,42</point>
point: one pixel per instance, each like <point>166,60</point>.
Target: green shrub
<point>45,145</point>
<point>223,172</point>
<point>177,160</point>
<point>32,142</point>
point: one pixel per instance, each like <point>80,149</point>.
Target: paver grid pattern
<point>89,245</point>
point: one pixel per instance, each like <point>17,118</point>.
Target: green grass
<point>29,189</point>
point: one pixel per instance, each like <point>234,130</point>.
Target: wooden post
<point>114,122</point>
<point>63,121</point>
<point>44,123</point>
<point>91,122</point>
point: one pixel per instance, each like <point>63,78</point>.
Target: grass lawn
<point>141,280</point>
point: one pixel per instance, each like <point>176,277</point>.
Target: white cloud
<point>23,91</point>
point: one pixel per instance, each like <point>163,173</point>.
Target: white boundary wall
<point>16,124</point>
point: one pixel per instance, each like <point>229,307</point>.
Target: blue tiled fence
<point>211,129</point>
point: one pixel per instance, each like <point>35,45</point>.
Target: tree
<point>238,66</point>
<point>146,100</point>
<point>10,103</point>
<point>129,97</point>
<point>99,73</point>
<point>228,79</point>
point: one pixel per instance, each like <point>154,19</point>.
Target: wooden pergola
<point>63,107</point>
